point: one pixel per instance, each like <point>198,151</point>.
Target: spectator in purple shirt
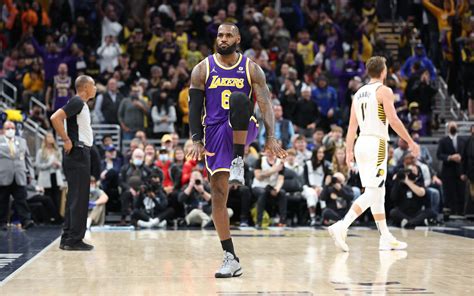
<point>52,56</point>
<point>350,69</point>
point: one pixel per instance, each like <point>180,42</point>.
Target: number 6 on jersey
<point>225,97</point>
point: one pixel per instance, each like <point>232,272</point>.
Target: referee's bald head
<point>82,81</point>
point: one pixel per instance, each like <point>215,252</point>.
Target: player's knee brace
<point>240,111</point>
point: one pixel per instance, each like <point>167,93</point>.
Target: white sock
<point>378,209</point>
<point>89,223</point>
<point>382,226</point>
<point>349,218</point>
<point>313,216</point>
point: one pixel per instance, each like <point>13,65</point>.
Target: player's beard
<point>230,49</point>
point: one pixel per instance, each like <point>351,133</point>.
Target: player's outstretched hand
<point>271,144</point>
<point>198,151</point>
<point>414,148</point>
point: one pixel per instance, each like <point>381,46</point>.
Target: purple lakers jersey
<point>221,82</point>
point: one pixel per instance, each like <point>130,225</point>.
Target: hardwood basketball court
<point>299,261</point>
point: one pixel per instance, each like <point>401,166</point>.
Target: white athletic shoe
<point>230,267</point>
<point>339,234</point>
<point>237,171</point>
<point>389,242</point>
<point>162,224</point>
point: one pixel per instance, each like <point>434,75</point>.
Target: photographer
<point>412,207</point>
<point>150,206</point>
<point>267,185</point>
<point>338,197</point>
<point>135,169</point>
<point>197,200</point>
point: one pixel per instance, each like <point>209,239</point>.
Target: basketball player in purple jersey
<point>221,124</point>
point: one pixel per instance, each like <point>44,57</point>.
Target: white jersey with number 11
<point>370,113</point>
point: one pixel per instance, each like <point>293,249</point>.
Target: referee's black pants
<point>77,168</point>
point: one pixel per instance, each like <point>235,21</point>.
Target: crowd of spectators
<point>312,53</point>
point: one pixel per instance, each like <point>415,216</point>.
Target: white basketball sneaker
<point>230,267</point>
<point>237,171</point>
<point>389,242</point>
<point>339,234</point>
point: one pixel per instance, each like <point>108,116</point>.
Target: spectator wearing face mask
<point>15,170</point>
<point>164,162</point>
<point>135,168</point>
<point>449,152</point>
<point>97,201</point>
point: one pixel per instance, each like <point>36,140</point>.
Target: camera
<point>334,180</point>
<point>197,182</point>
<point>403,173</point>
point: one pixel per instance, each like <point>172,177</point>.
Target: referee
<point>77,161</point>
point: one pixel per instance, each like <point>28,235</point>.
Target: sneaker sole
<point>393,249</point>
<point>68,248</point>
<point>336,242</point>
<point>237,273</point>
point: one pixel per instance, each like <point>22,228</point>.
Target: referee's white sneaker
<point>389,242</point>
<point>237,171</point>
<point>339,234</point>
<point>230,267</point>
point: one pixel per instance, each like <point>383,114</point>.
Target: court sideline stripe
<point>8,278</point>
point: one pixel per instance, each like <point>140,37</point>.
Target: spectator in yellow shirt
<point>33,84</point>
<point>193,55</point>
<point>184,108</point>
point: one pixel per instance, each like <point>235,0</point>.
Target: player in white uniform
<point>372,111</point>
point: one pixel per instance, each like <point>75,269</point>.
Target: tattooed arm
<point>196,104</point>
<point>263,96</point>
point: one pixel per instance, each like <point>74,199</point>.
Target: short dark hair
<point>233,25</point>
<point>105,136</point>
<point>375,66</point>
<point>319,129</point>
<point>81,81</point>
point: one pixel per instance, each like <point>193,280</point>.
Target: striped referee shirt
<point>78,122</point>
